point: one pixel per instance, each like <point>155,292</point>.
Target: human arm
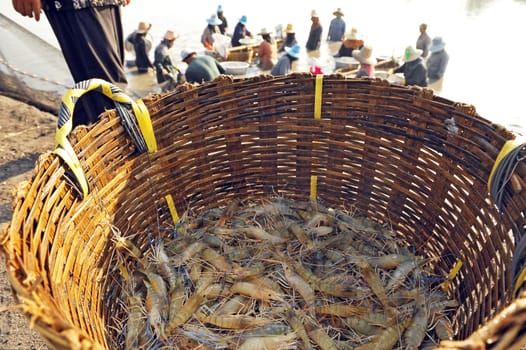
<point>29,8</point>
<point>249,34</point>
<point>399,69</point>
<point>220,68</point>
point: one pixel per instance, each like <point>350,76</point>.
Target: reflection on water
<point>470,29</point>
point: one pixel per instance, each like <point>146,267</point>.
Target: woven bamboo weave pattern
<point>383,149</point>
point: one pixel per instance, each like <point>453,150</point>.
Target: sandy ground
<point>25,132</point>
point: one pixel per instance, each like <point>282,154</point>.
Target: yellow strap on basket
<point>452,273</point>
<point>317,96</point>
<point>317,115</point>
<point>173,210</point>
<point>63,147</point>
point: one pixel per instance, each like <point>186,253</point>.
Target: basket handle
<point>512,152</point>
<point>144,137</point>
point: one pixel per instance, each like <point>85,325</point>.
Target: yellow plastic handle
<point>63,147</point>
<point>508,147</point>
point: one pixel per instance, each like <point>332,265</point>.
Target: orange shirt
<point>268,54</point>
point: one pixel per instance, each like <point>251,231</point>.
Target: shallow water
<point>483,37</point>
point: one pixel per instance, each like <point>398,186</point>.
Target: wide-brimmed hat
<point>352,34</point>
<point>170,35</point>
<point>364,55</point>
<point>293,51</point>
<point>243,20</point>
<point>213,20</point>
<point>186,52</point>
<point>411,54</point>
<point>437,44</point>
<point>338,12</point>
<point>289,29</point>
<point>264,31</point>
<point>313,13</point>
<point>143,27</point>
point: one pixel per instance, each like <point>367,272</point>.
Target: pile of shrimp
<point>280,274</point>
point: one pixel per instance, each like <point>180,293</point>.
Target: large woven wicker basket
<point>399,155</point>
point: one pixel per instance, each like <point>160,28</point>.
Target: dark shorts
<point>92,43</point>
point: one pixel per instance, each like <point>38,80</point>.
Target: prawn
<point>341,310</point>
<point>164,267</point>
<point>387,339</point>
<point>233,305</point>
<point>416,331</point>
<point>387,261</point>
<point>402,271</point>
<point>301,235</point>
<point>268,343</point>
<point>301,270</point>
<point>444,329</point>
<point>298,327</point>
<point>362,326</point>
<point>136,322</point>
<point>190,251</point>
<point>188,308</point>
<point>255,291</point>
<point>241,273</point>
<point>257,232</point>
<point>177,296</point>
<point>321,231</point>
<point>320,219</point>
<point>158,285</point>
<point>233,321</point>
<point>216,260</point>
<point>124,244</point>
<point>155,310</point>
<point>374,282</point>
<point>266,330</point>
<point>322,339</point>
<point>228,213</point>
<point>300,285</point>
<point>338,286</point>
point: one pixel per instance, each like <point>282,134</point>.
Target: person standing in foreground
<point>437,63</point>
<point>90,35</point>
<point>200,68</point>
<point>284,64</point>
<point>423,41</point>
<point>316,30</point>
<point>414,70</point>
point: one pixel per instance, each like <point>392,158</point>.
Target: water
<point>484,38</point>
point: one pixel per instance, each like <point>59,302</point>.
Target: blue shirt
<point>336,29</point>
<point>240,31</point>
